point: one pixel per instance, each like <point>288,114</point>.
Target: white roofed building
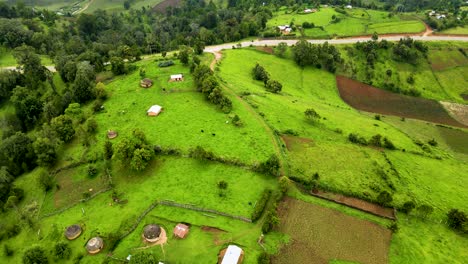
<point>154,110</point>
<point>233,255</point>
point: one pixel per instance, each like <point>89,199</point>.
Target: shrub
<point>260,205</point>
<point>271,220</point>
<point>432,142</point>
<point>284,184</point>
<point>98,106</point>
<point>425,210</point>
<point>35,255</point>
<point>7,251</point>
<point>260,74</point>
<point>92,171</point>
<point>46,181</point>
<point>375,140</point>
<point>357,139</point>
<point>143,257</point>
<point>222,185</point>
<point>393,227</point>
<point>270,166</point>
<point>62,250</point>
<point>311,114</point>
<point>308,25</point>
<point>377,117</point>
<point>388,144</point>
<point>408,207</point>
<point>273,86</point>
<point>237,121</point>
<point>384,198</point>
<point>457,220</point>
<point>263,258</point>
<point>201,154</point>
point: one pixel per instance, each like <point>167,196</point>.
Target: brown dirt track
<point>320,234</point>
<point>367,98</point>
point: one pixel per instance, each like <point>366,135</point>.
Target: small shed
<point>72,232</point>
<point>94,245</point>
<point>151,233</point>
<point>111,134</point>
<point>177,77</point>
<point>349,7</point>
<point>154,110</point>
<point>308,10</point>
<point>181,230</point>
<point>146,83</point>
<point>231,255</point>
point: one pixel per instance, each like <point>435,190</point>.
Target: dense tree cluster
<point>326,56</point>
<point>208,85</point>
<point>260,74</point>
<point>135,151</point>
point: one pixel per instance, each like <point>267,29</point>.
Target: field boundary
<point>318,195</point>
<point>201,209</point>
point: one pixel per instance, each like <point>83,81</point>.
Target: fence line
<point>200,209</point>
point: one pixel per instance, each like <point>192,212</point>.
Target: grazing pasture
<point>371,99</point>
<point>353,23</point>
<point>321,234</point>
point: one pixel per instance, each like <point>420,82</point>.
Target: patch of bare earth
<point>268,50</point>
<point>319,235</point>
<point>293,142</point>
<point>368,98</point>
<point>359,204</point>
<point>162,7</point>
<point>457,111</point>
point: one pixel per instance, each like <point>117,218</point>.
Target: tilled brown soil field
<point>320,234</point>
<point>368,98</point>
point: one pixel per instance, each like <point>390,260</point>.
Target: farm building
<point>285,29</point>
<point>146,83</point>
<point>231,255</point>
<point>181,230</point>
<point>349,7</point>
<point>111,134</point>
<point>72,232</point>
<point>151,233</point>
<point>154,110</point>
<point>94,245</point>
<point>308,10</point>
<point>177,77</point>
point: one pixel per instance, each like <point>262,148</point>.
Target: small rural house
<point>349,7</point>
<point>154,110</point>
<point>177,77</point>
<point>181,230</point>
<point>146,83</point>
<point>151,233</point>
<point>94,245</point>
<point>72,232</point>
<point>308,10</point>
<point>285,29</point>
<point>231,255</point>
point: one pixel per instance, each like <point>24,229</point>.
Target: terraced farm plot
<point>457,139</point>
<point>442,59</point>
<point>371,99</point>
<point>319,235</point>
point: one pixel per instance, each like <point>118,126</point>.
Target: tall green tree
<point>83,87</point>
<point>34,72</point>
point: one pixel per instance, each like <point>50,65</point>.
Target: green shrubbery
<point>260,205</point>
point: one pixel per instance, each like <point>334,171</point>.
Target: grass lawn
<point>188,119</point>
<point>7,59</point>
<point>456,31</point>
<point>354,22</point>
<point>117,6</point>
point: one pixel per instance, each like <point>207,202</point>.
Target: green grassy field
<point>117,6</point>
<point>456,31</point>
<point>7,59</point>
<point>346,168</point>
<point>354,22</point>
<point>438,77</point>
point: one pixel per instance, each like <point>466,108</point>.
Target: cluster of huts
<point>154,234</point>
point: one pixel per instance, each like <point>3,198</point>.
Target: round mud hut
<point>95,245</point>
<point>146,83</point>
<point>111,134</point>
<point>151,233</point>
<point>72,232</point>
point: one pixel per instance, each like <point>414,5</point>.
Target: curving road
<point>274,42</point>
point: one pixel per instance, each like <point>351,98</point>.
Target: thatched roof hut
<point>181,230</point>
<point>111,134</point>
<point>94,245</point>
<point>151,233</point>
<point>146,83</point>
<point>72,232</point>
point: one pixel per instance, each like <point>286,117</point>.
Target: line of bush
<point>209,86</point>
<point>260,205</point>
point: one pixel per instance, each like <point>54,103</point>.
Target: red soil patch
<point>268,50</point>
<point>162,7</point>
<point>212,229</point>
<point>356,203</point>
<point>367,98</point>
<point>293,142</point>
